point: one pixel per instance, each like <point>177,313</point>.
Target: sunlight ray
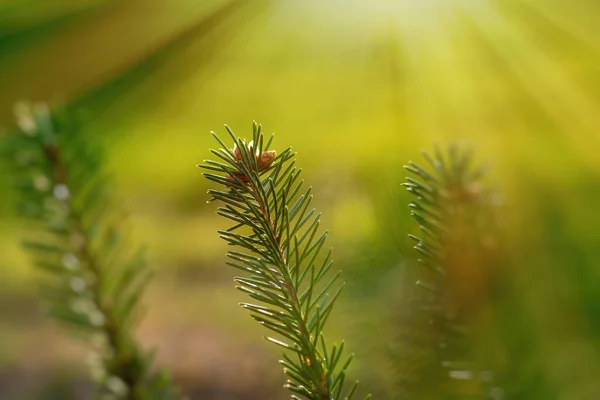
<point>568,25</point>
<point>421,41</point>
<point>561,98</point>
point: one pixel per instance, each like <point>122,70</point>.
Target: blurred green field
<point>357,88</point>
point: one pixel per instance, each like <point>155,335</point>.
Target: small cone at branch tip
<point>266,159</point>
<point>236,153</point>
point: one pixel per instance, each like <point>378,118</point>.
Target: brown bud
<point>241,177</point>
<point>236,153</point>
<point>264,161</point>
<point>266,158</point>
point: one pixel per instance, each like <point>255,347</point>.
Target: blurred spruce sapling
<point>93,281</point>
<point>438,354</point>
<point>286,269</point>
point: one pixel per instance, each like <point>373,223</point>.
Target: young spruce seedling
<point>286,268</point>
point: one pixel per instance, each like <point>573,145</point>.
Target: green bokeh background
<point>357,88</point>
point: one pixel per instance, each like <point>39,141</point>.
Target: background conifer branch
<point>286,269</point>
<point>95,281</point>
<point>452,211</point>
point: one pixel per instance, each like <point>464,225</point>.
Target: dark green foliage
<point>286,269</point>
<point>437,357</point>
<point>93,279</point>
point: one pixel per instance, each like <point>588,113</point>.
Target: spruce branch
<point>94,280</point>
<point>285,264</point>
<point>452,211</point>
